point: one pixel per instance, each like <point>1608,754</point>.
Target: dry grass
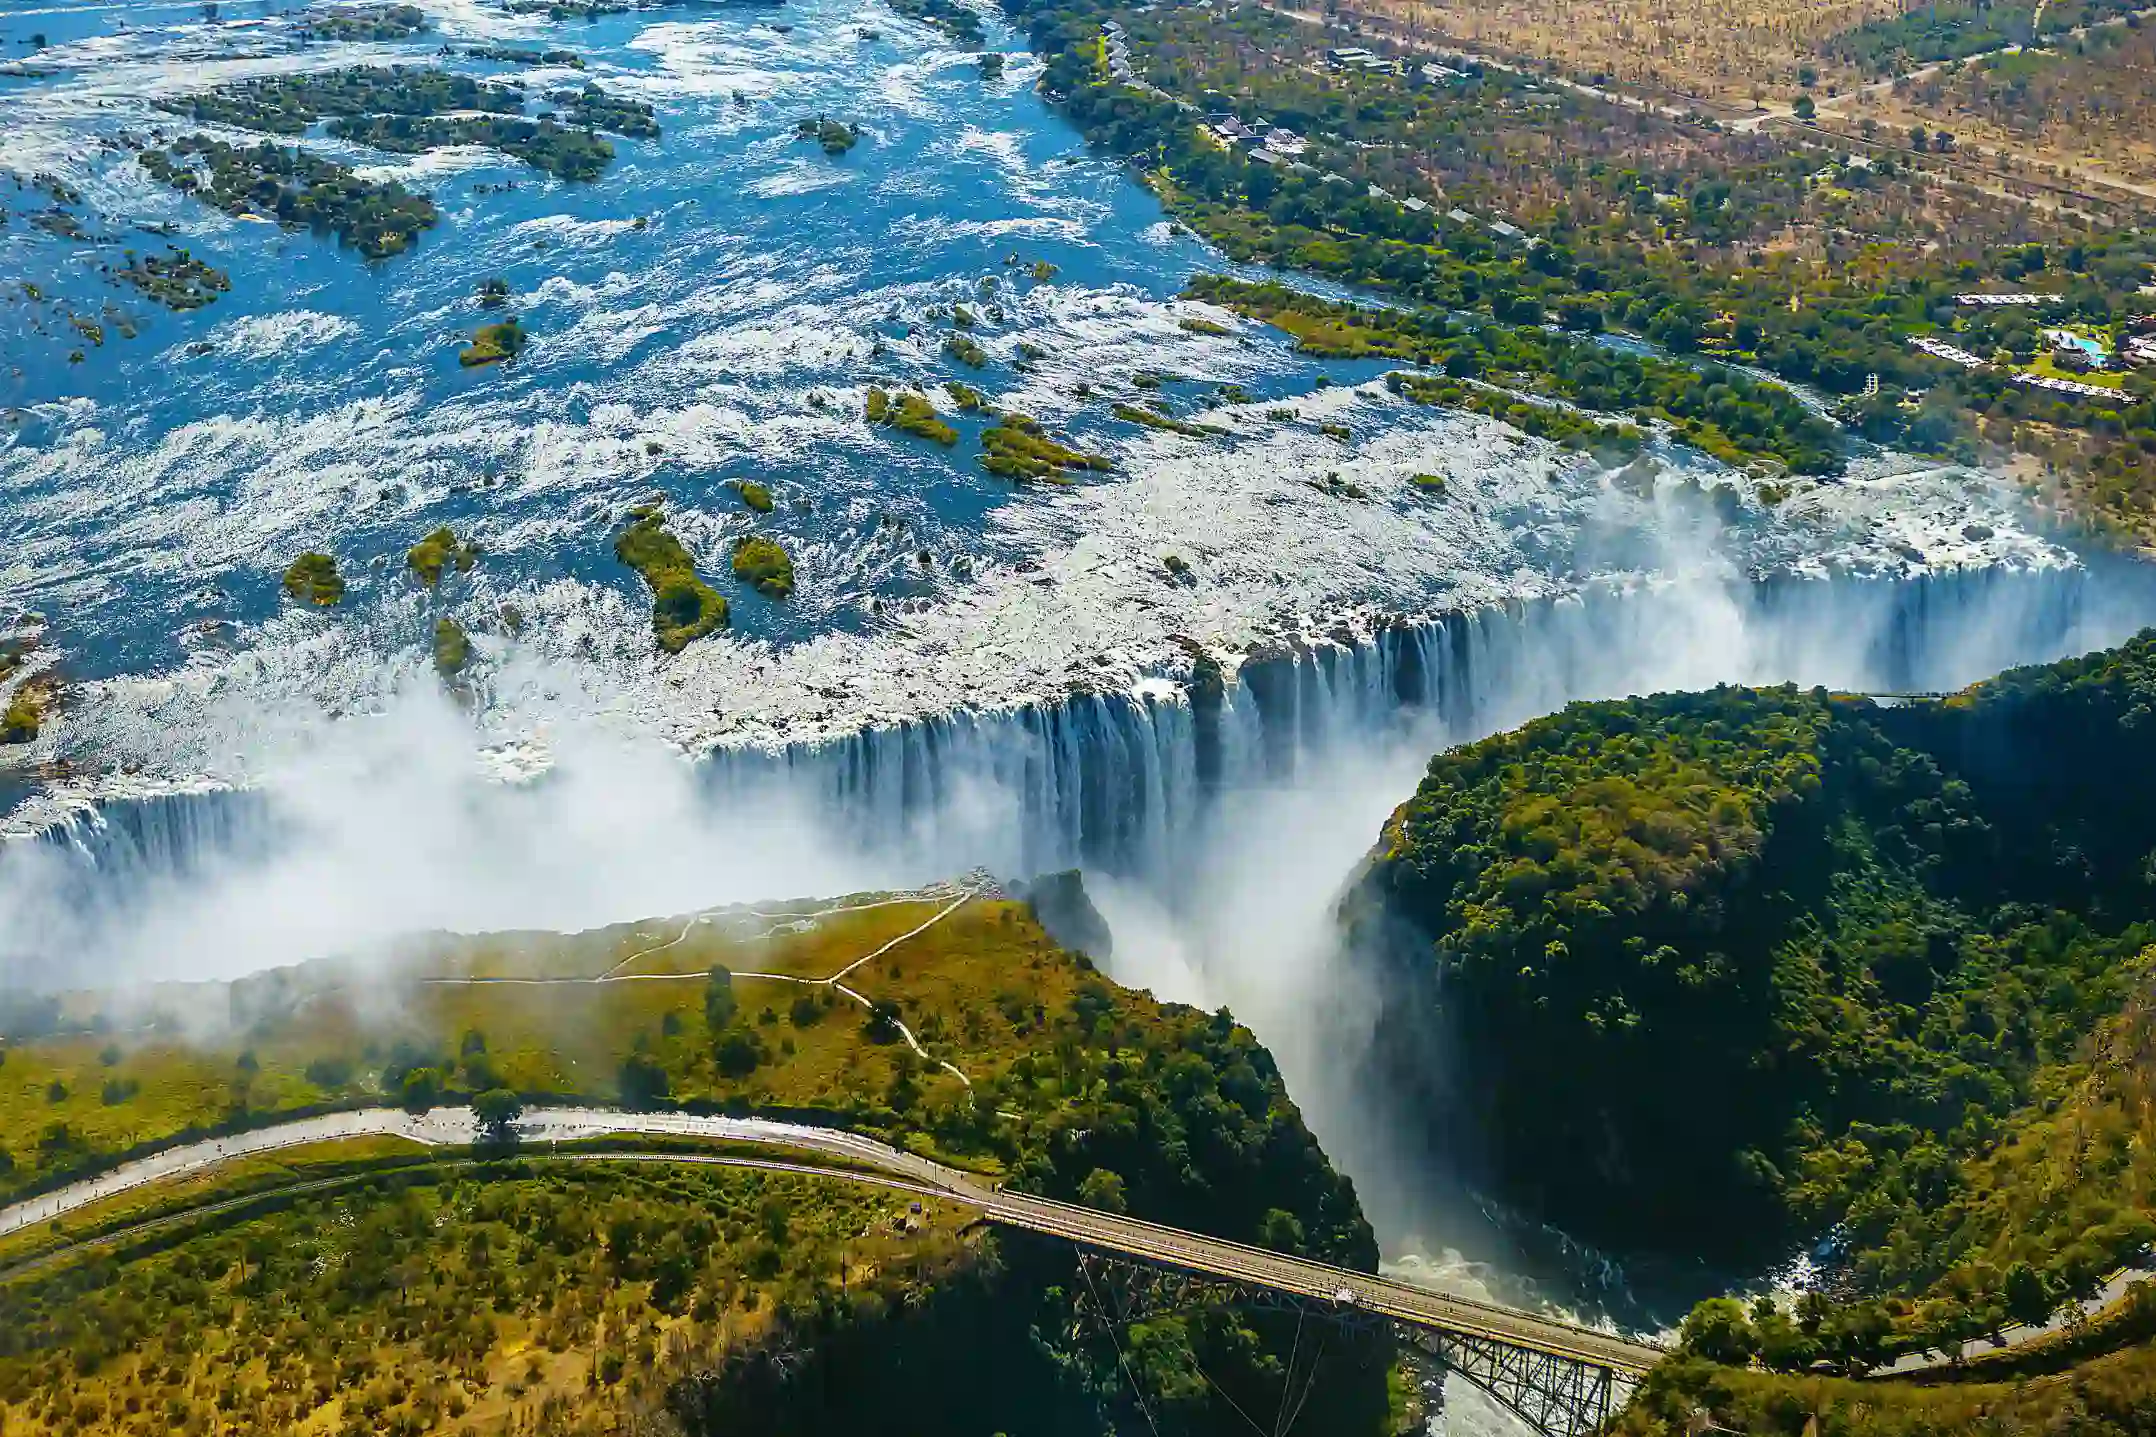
<point>1727,54</point>
<point>2085,111</point>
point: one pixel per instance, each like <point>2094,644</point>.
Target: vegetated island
<point>835,136</point>
<point>683,607</point>
<point>952,18</point>
<point>764,565</point>
<point>754,494</point>
<point>909,411</point>
<point>297,189</point>
<point>1149,419</point>
<point>1738,420</point>
<point>34,701</point>
<point>1842,943</point>
<point>593,108</point>
<point>362,22</point>
<point>411,109</point>
<point>1559,425</point>
<point>520,55</point>
<point>313,579</point>
<point>422,1293</point>
<point>1017,447</point>
<point>452,647</point>
<point>291,104</point>
<point>494,343</point>
<point>175,279</point>
<point>434,555</point>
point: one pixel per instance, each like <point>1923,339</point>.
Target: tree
<point>1859,1335</point>
<point>497,1110</point>
<point>2029,1298</point>
<point>738,1053</point>
<point>1103,1189</point>
<point>1718,1330</point>
<point>1782,1344</point>
<point>883,1025</point>
<point>643,1081</point>
<point>1804,108</point>
<point>720,1004</point>
<point>421,1090</point>
<point>1281,1231</point>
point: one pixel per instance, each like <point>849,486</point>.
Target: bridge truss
<point>1556,1396</point>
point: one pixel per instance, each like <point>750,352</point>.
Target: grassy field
<point>976,987</point>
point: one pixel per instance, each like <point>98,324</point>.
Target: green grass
<point>683,607</point>
<point>241,1176</point>
<point>953,981</point>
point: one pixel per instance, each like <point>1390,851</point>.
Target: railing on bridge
<point>1561,1379</point>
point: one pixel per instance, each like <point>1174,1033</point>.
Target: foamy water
<point>714,309</point>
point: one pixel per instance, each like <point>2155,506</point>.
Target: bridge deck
<point>1404,1302</point>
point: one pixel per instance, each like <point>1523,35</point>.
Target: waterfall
<point>1128,785</point>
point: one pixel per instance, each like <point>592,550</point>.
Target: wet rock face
<point>1061,906</point>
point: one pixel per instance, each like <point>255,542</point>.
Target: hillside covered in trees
<point>1728,971</point>
<point>424,1293</point>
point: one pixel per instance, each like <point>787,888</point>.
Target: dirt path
<point>835,981</point>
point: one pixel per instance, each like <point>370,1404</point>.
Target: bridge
<point>1562,1379</point>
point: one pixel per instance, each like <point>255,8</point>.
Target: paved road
<point>456,1127</point>
<point>2021,1334</point>
<point>1107,1232</point>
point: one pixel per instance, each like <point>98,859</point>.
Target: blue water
<point>766,269</point>
<point>151,496</point>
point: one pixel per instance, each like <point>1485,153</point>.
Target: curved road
<point>1107,1232</point>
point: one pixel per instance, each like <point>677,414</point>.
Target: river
<point>968,674</point>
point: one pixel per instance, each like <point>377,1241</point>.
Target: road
<point>2114,1289</point>
<point>1107,1232</point>
<point>456,1127</point>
